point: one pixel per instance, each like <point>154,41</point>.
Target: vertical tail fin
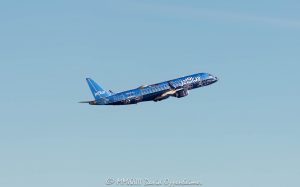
<point>97,91</point>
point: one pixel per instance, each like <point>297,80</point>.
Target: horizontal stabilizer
<point>85,101</point>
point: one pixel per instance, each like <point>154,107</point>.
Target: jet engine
<point>182,93</point>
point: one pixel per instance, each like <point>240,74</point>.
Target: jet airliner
<point>156,92</point>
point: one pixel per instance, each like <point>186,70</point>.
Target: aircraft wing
<point>170,92</point>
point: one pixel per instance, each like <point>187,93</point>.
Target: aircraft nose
<point>216,78</point>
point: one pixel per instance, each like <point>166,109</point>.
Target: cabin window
<point>174,83</point>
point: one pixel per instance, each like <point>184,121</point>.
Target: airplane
<point>156,92</point>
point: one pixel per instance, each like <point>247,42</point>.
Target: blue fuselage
<point>160,91</point>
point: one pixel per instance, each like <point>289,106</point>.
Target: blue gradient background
<point>242,131</point>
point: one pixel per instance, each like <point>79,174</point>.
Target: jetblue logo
<point>191,80</point>
<point>99,93</point>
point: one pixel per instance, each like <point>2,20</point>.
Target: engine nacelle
<point>182,93</point>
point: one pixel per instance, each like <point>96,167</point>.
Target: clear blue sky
<point>242,131</point>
